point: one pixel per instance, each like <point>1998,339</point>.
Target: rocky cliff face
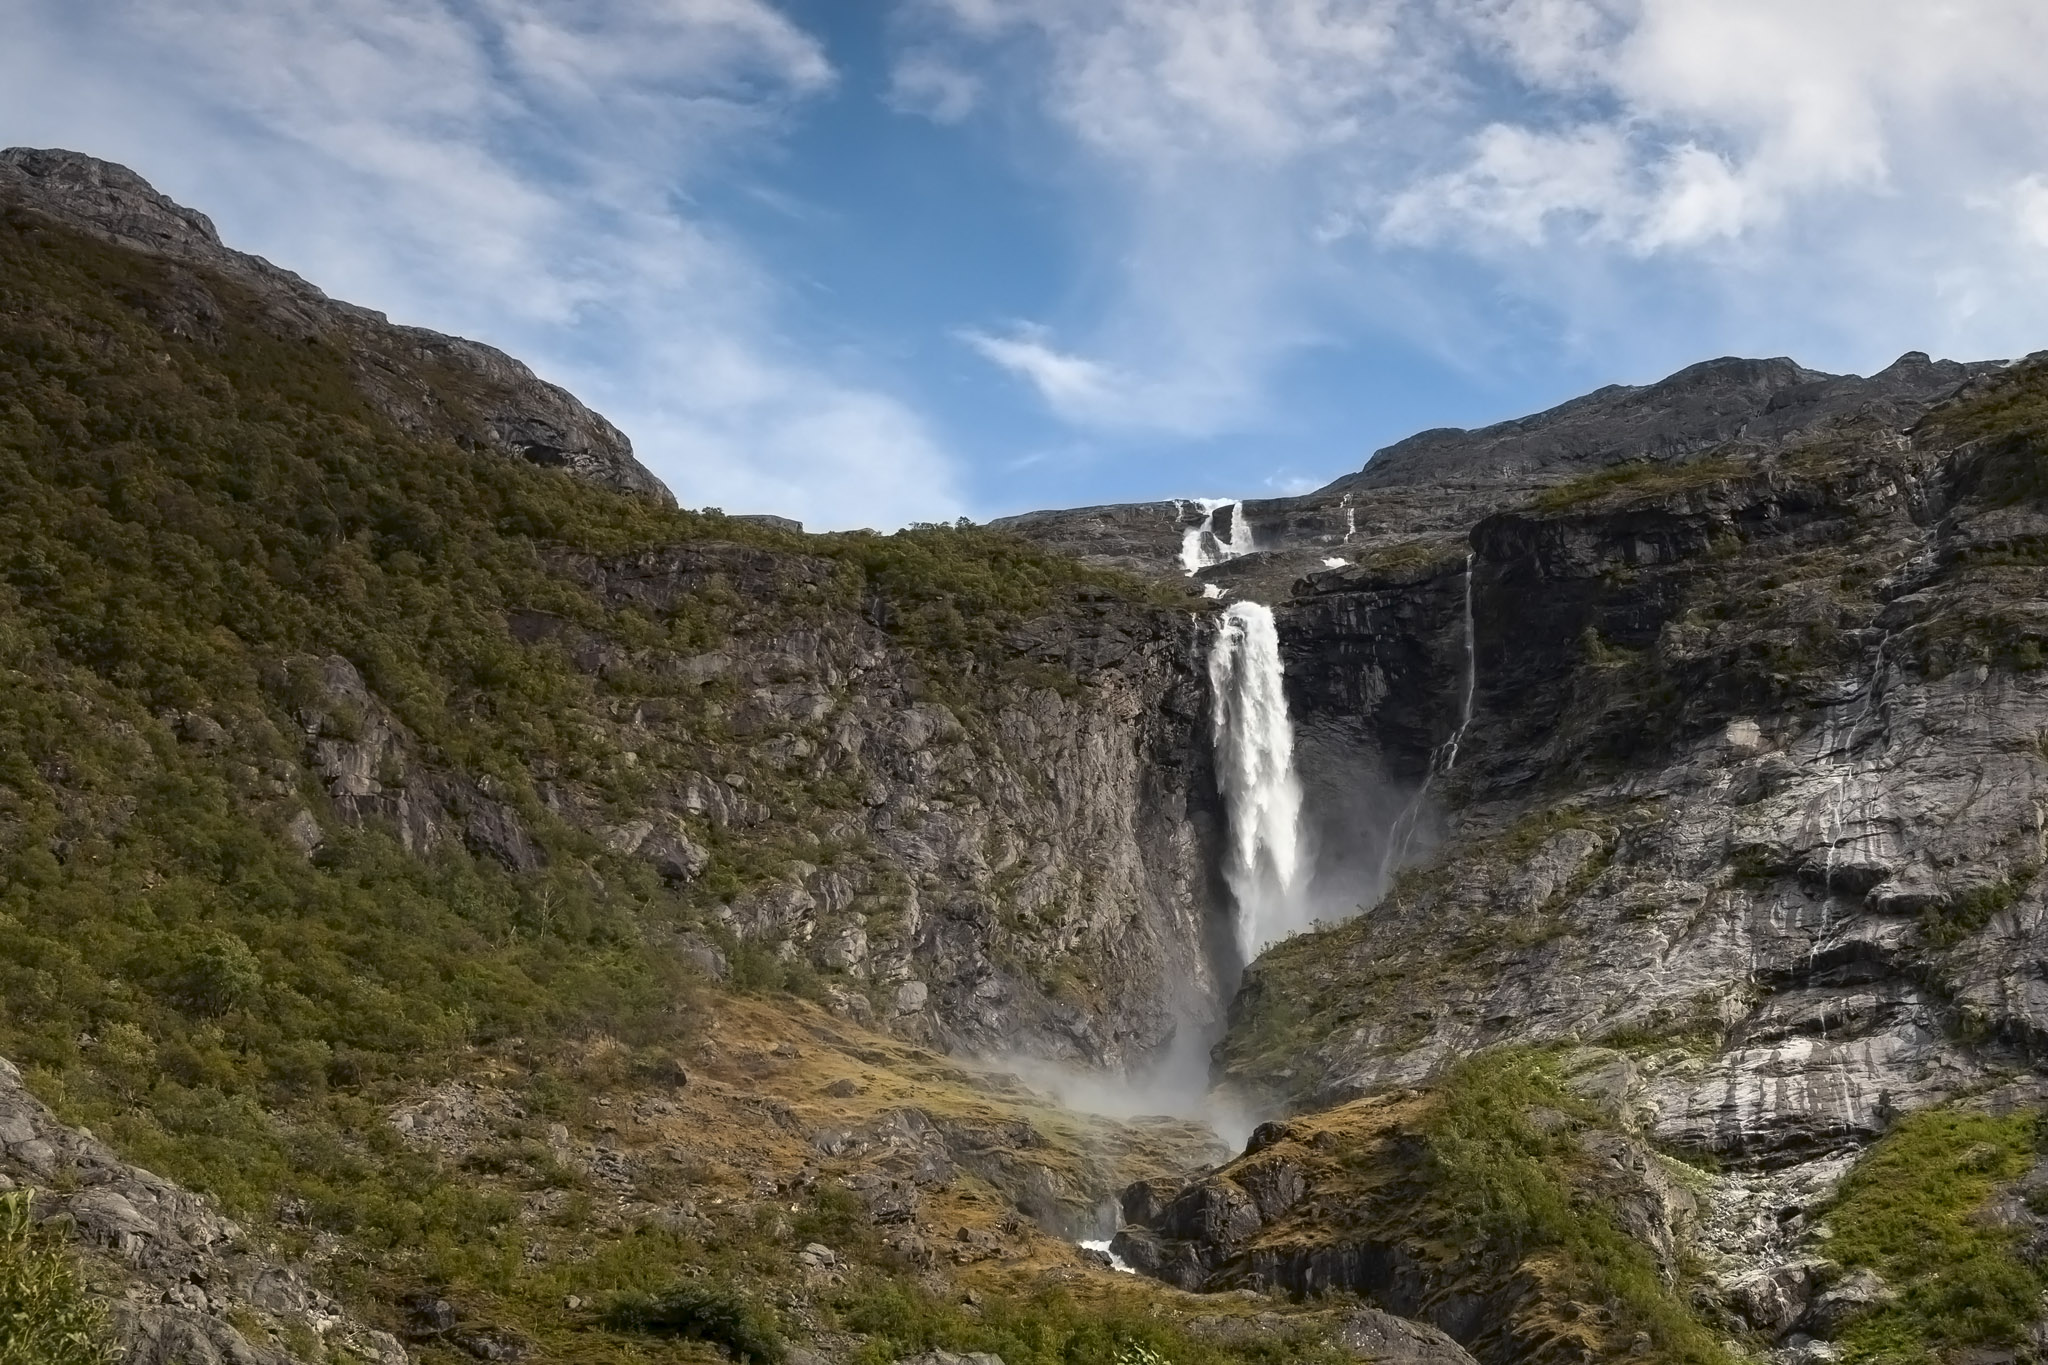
<point>1023,870</point>
<point>1749,789</point>
<point>1696,722</point>
<point>428,384</point>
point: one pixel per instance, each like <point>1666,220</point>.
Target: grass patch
<point>712,1312</point>
<point>1638,478</point>
<point>46,1317</point>
<point>1051,1328</point>
<point>1909,1212</point>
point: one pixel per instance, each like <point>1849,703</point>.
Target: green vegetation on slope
<point>1638,479</point>
<point>186,528</point>
<point>1508,1183</point>
<point>46,1318</point>
<point>1050,1328</point>
<point>1912,1212</point>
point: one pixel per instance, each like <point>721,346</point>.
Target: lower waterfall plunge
<point>1254,744</point>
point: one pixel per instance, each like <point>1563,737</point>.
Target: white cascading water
<point>1201,547</point>
<point>1254,744</point>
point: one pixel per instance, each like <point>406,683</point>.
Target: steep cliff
<point>1683,739</point>
<point>1748,788</point>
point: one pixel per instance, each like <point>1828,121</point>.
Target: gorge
<point>456,905</point>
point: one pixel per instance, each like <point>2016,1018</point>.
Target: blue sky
<point>872,261</point>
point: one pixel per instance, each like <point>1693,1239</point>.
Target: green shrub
<point>45,1317</point>
<point>1966,912</point>
<point>716,1313</point>
<point>219,974</point>
<point>1910,1211</point>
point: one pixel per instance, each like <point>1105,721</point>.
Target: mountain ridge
<point>483,396</point>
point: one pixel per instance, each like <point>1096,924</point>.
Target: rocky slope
<point>185,1284</point>
<point>870,811</point>
<point>1699,722</point>
<point>1747,787</point>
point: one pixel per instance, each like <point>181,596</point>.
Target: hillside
<point>346,762</point>
<point>456,905</point>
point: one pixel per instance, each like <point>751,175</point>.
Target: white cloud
<point>2029,208</point>
<point>1147,81</point>
<point>1071,384</point>
<point>515,170</point>
<point>923,84</point>
<point>1804,176</point>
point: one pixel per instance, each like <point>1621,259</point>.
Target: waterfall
<point>1201,547</point>
<point>1254,744</point>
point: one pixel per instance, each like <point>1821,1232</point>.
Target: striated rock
<point>1857,1292</point>
<point>1374,1335</point>
<point>1772,1301</point>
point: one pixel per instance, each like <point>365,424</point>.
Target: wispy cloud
<point>514,170</point>
<point>922,82</point>
<point>1840,177</point>
<point>1075,386</point>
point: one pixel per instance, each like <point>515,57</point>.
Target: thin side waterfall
<point>1201,546</point>
<point>1401,834</point>
<point>1254,744</point>
<point>1471,676</point>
